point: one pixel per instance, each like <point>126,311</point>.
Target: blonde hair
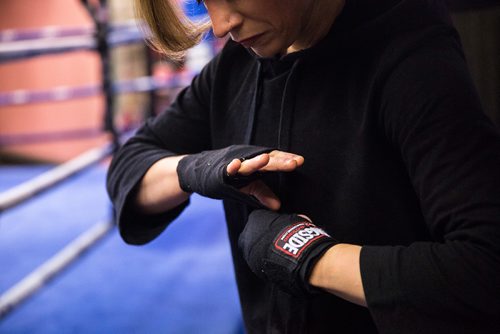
<point>170,31</point>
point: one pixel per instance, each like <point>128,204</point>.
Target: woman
<point>361,117</point>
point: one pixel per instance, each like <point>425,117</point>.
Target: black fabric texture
<point>133,164</point>
<point>399,158</point>
<point>205,173</point>
<point>257,243</point>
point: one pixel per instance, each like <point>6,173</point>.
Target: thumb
<point>263,194</point>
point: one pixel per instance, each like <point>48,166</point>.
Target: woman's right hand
<point>231,173</point>
<point>160,189</point>
<point>275,161</point>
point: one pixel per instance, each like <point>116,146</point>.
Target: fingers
<point>263,194</point>
<point>283,161</point>
<point>270,162</point>
<point>233,167</point>
<point>249,166</point>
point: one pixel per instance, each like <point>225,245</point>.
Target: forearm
<point>159,189</point>
<point>338,272</point>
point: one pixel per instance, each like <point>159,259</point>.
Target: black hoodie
<point>399,158</point>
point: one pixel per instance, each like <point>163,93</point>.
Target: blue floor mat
<point>181,282</point>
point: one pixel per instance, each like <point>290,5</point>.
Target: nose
<point>224,18</point>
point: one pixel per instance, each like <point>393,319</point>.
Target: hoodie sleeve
<point>432,115</point>
<point>182,128</point>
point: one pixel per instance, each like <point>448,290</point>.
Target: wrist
<point>159,189</point>
<point>338,272</point>
<point>323,269</point>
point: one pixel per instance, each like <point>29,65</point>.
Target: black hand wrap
<point>206,173</point>
<point>283,249</point>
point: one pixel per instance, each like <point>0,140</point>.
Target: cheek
<point>286,33</point>
<point>287,23</point>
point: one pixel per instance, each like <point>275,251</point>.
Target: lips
<point>248,42</point>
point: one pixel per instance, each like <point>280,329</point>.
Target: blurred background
<point>76,79</point>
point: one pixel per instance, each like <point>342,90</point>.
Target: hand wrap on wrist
<point>206,173</point>
<point>283,249</point>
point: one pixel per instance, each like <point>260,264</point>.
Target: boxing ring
<point>26,193</point>
<point>63,266</point>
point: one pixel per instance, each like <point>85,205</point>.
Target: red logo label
<point>296,238</point>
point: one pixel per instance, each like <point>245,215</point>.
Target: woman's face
<point>268,27</point>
